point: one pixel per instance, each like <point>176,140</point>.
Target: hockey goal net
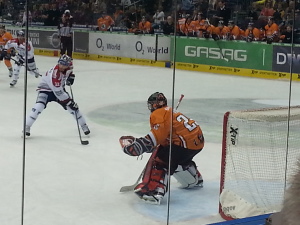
<point>259,154</point>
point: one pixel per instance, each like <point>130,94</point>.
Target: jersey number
<point>185,120</point>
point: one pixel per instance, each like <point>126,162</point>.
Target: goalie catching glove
<point>136,146</point>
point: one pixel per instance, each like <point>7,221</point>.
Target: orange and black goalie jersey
<point>185,132</point>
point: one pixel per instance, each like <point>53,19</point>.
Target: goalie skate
<point>154,199</point>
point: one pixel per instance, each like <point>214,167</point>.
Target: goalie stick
<point>131,187</point>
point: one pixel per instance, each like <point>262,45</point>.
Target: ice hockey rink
<point>67,183</point>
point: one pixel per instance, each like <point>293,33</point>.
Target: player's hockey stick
<point>131,187</point>
<point>81,141</point>
<point>17,62</point>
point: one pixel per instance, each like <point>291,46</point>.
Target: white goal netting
<point>260,151</point>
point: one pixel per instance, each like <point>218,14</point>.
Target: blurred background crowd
<point>249,20</point>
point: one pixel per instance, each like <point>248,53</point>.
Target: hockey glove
<point>3,53</point>
<point>13,52</point>
<point>215,37</point>
<point>72,105</point>
<point>135,146</point>
<point>70,79</point>
<point>269,40</point>
<point>206,35</point>
<point>21,61</point>
<point>249,38</point>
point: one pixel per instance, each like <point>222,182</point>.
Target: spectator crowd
<point>249,20</point>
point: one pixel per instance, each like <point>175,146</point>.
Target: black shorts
<point>50,98</point>
<point>179,156</point>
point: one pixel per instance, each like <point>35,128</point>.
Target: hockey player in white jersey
<point>52,89</point>
<point>18,44</point>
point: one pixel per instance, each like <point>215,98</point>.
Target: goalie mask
<point>156,100</point>
<point>65,60</point>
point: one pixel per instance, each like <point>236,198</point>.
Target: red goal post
<point>260,149</point>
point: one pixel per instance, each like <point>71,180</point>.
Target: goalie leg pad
<point>154,183</point>
<point>188,176</point>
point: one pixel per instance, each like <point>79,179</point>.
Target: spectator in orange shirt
<point>105,22</point>
<point>221,31</point>
<point>199,25</point>
<point>145,26</point>
<point>133,28</point>
<point>252,33</point>
<point>208,29</point>
<point>235,32</point>
<point>271,31</point>
<point>188,28</point>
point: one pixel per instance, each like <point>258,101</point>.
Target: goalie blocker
<point>187,141</point>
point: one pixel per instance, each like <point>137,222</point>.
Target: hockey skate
<point>200,180</point>
<point>27,131</point>
<point>13,83</point>
<point>85,129</point>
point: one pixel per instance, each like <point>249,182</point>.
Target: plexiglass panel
<point>210,59</point>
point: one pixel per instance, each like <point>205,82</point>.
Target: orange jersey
<point>145,27</point>
<point>254,32</point>
<point>104,23</point>
<point>181,21</point>
<point>5,38</point>
<point>187,28</point>
<point>210,29</point>
<point>236,33</point>
<point>271,30</point>
<point>223,33</point>
<point>186,132</point>
<point>194,25</point>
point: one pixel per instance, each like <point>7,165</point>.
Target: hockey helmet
<point>156,100</point>
<point>65,60</point>
<point>20,33</point>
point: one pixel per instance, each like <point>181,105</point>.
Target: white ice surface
<point>67,183</point>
